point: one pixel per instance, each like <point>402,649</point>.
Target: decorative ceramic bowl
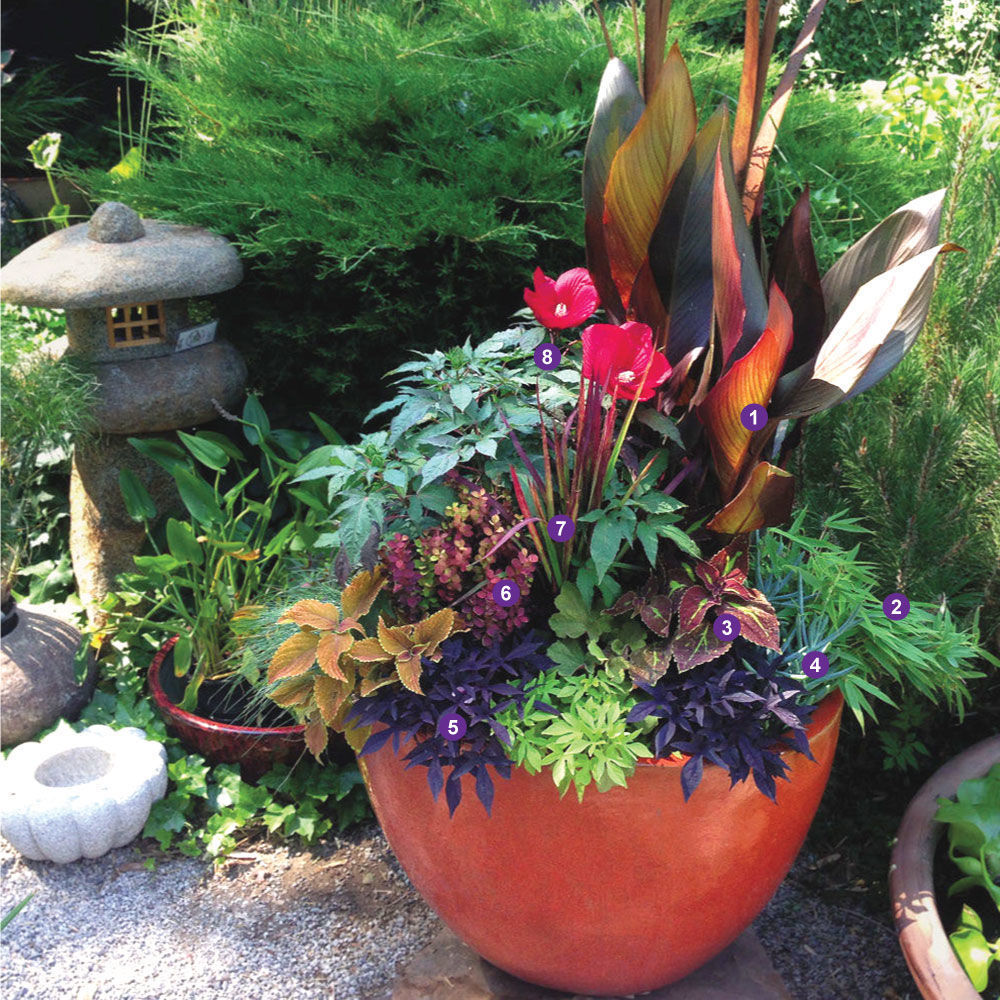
<point>77,795</point>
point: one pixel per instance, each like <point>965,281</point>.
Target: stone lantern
<point>126,285</point>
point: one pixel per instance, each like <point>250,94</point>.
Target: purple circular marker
<point>506,593</point>
<point>726,627</point>
<point>896,607</point>
<point>753,416</point>
<point>815,664</point>
<point>452,726</point>
<point>547,357</point>
<point>561,528</point>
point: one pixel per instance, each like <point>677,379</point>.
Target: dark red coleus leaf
<point>758,622</point>
<point>700,645</point>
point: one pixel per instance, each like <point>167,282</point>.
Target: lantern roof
<point>118,258</point>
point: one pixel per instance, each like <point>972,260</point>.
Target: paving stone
<point>449,970</point>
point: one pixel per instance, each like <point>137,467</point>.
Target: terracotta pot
<point>935,969</point>
<point>627,891</point>
<point>255,749</point>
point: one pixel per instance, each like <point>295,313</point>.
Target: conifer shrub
<point>383,167</point>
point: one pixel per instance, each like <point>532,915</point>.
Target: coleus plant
<point>319,671</point>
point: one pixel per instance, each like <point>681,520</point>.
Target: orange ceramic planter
<point>627,891</point>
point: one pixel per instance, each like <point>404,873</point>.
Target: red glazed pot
<point>629,890</point>
<point>256,750</point>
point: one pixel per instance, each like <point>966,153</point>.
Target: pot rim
<point>170,708</point>
<point>935,969</point>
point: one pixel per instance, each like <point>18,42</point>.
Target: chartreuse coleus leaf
<point>313,672</point>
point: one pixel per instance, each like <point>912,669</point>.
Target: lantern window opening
<point>136,324</point>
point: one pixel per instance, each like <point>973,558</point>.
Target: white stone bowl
<point>77,795</point>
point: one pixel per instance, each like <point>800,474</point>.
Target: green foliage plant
<point>44,154</point>
<point>35,100</point>
<point>451,408</point>
<point>972,821</point>
<point>919,456</point>
<point>874,39</point>
<point>47,404</point>
<point>223,555</point>
<point>828,598</point>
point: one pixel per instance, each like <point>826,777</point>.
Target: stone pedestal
<point>102,537</point>
<point>449,970</point>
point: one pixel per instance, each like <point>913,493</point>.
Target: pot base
<point>255,748</point>
<point>447,969</point>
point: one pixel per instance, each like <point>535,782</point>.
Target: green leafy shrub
<point>874,39</point>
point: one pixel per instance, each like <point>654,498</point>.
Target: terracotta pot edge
<point>169,708</point>
<point>922,937</point>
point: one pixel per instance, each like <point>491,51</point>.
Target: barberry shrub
<point>457,564</point>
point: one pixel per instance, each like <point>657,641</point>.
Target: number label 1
<point>547,357</point>
<point>896,607</point>
<point>506,593</point>
<point>561,528</point>
<point>452,726</point>
<point>726,627</point>
<point>815,664</point>
<point>753,416</point>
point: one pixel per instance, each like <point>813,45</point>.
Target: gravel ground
<point>337,921</point>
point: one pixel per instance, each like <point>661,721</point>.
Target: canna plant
<point>674,242</point>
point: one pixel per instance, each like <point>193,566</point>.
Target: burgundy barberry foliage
<point>445,563</point>
<point>397,556</point>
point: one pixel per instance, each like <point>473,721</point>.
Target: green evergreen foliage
<point>919,455</point>
<point>388,169</point>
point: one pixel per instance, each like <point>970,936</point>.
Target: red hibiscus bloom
<point>565,302</point>
<point>617,357</point>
